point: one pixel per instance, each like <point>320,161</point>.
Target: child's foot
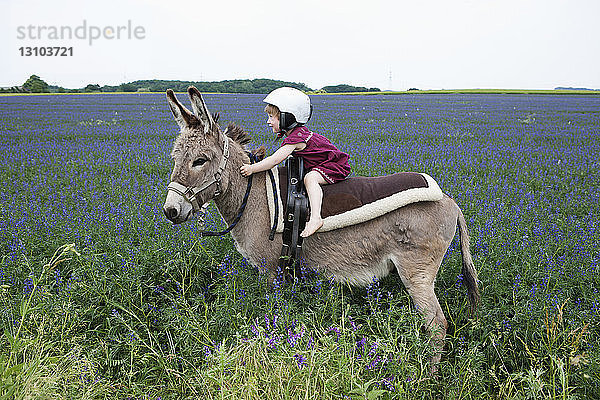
<point>312,226</point>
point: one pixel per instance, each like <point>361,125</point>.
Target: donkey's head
<point>200,155</point>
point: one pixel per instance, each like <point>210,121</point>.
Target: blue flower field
<point>101,297</point>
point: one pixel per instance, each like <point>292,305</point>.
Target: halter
<point>190,193</point>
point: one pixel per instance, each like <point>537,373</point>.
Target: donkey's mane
<point>238,134</point>
<point>241,137</point>
<point>233,131</point>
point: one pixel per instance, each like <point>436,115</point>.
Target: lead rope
<point>204,208</point>
<point>239,215</point>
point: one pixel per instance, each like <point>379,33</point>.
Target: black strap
<point>275,196</point>
<point>295,216</point>
<point>242,207</point>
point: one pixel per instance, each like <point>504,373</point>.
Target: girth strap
<point>276,199</point>
<point>296,213</point>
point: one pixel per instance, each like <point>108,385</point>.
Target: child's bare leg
<point>312,182</point>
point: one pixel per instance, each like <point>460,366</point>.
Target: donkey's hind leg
<point>419,281</point>
<point>427,304</point>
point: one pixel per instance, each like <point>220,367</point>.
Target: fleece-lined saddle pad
<point>360,199</point>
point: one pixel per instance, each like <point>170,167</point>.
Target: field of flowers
<point>100,297</point>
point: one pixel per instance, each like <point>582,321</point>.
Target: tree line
<point>258,86</point>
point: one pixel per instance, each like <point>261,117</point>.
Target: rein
<point>243,206</point>
<point>239,215</point>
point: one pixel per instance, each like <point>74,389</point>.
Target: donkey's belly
<point>358,254</point>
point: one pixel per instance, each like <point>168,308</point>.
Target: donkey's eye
<point>198,162</point>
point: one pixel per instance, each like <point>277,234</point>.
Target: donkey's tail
<point>468,268</point>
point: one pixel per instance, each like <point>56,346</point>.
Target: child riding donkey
<point>288,110</point>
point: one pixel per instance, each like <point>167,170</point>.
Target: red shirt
<point>319,154</point>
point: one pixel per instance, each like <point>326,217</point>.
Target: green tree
<point>92,88</point>
<point>127,87</point>
<point>35,85</point>
<point>348,88</point>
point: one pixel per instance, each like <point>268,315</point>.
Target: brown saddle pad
<point>357,191</point>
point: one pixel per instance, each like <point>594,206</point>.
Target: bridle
<point>190,193</point>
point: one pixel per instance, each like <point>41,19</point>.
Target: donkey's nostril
<point>171,213</point>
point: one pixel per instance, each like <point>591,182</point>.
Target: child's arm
<point>269,162</point>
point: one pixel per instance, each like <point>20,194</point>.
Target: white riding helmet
<point>291,101</point>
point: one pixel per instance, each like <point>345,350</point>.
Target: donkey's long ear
<point>200,109</point>
<point>182,115</point>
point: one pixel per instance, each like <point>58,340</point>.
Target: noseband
<point>190,193</point>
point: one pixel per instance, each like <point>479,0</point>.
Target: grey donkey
<point>412,239</point>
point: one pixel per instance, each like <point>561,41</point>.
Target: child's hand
<point>246,170</point>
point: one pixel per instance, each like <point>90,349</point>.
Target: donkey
<point>412,239</point>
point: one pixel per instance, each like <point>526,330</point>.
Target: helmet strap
<point>287,121</point>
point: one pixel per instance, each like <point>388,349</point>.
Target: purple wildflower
<point>360,345</point>
<point>389,383</point>
<point>27,286</point>
<point>254,328</point>
<point>293,337</point>
<point>336,330</point>
<point>374,363</point>
<point>311,343</point>
<point>272,342</point>
<point>352,324</point>
<point>300,360</point>
<point>373,349</point>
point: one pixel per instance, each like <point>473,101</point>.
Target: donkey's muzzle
<point>171,213</point>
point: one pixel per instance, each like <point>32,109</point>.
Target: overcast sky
<point>427,44</point>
